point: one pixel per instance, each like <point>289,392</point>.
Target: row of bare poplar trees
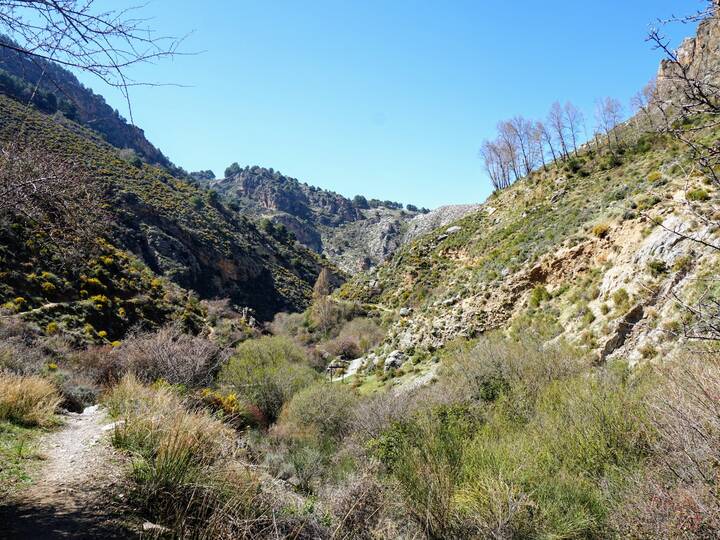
<point>523,145</point>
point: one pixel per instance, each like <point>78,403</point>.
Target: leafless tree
<point>523,132</point>
<point>78,34</point>
<point>537,143</point>
<point>488,153</point>
<point>558,127</point>
<point>496,164</point>
<point>643,102</point>
<point>609,115</point>
<point>547,139</point>
<point>575,121</point>
<point>509,147</point>
<point>54,196</point>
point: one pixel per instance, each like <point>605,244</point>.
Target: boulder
<point>395,360</point>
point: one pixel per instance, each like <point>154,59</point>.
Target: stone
<point>454,229</point>
<point>394,360</point>
<point>149,526</point>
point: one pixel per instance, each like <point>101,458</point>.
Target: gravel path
<point>70,496</point>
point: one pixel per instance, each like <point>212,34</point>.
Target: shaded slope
<point>51,87</point>
<point>179,231</point>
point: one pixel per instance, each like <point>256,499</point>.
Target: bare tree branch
<point>74,34</point>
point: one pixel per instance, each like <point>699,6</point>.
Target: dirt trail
<point>70,494</point>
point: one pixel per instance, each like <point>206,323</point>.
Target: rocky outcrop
<point>425,223</point>
<point>354,235</point>
<point>365,243</point>
<point>272,191</point>
<point>697,59</point>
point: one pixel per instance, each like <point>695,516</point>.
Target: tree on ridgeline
<point>557,125</point>
<point>575,123</point>
<point>609,115</point>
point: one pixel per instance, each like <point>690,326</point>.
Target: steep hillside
<point>51,88</point>
<point>354,234</point>
<point>178,231</point>
<point>584,249</point>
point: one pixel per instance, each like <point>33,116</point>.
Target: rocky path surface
<point>70,496</point>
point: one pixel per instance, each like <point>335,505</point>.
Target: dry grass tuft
<point>28,400</point>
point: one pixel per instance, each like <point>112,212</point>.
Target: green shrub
<point>321,410</point>
<point>646,202</point>
<point>600,230</point>
<point>654,176</point>
<point>267,372</point>
<point>698,194</point>
<point>52,328</point>
<point>657,267</point>
<point>538,295</point>
<point>425,457</point>
<point>621,298</point>
<point>682,263</point>
<point>563,468</point>
<point>497,364</point>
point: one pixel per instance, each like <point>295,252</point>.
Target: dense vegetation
<point>514,439</point>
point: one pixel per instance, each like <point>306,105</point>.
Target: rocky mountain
<point>355,234</point>
<point>52,89</point>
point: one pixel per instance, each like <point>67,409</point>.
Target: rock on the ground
<point>394,360</point>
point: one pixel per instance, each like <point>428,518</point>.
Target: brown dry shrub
<point>686,414</point>
<point>356,338</point>
<point>677,497</point>
<point>170,355</point>
<point>655,506</point>
<point>19,357</point>
<point>357,506</point>
<point>374,414</point>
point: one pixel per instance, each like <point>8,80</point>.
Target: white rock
<point>112,426</point>
<point>395,360</point>
<point>454,229</point>
<point>148,526</point>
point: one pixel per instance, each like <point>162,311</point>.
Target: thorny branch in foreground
<point>75,34</point>
<point>54,197</point>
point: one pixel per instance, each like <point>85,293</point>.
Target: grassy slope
<point>529,219</point>
<point>211,251</point>
<point>480,276</point>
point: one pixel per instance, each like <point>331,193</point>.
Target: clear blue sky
<point>390,99</point>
